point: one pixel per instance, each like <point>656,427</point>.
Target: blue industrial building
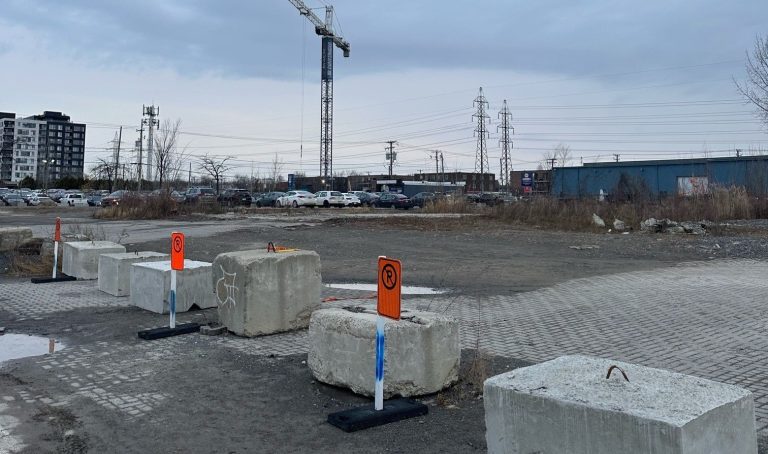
<point>661,178</point>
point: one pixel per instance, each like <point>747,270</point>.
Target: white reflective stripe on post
<point>379,387</point>
<point>172,299</point>
<point>55,258</point>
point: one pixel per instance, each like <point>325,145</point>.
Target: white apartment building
<point>26,148</point>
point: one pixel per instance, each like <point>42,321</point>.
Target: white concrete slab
<point>568,405</point>
<point>151,285</point>
<point>115,270</point>
<point>81,258</point>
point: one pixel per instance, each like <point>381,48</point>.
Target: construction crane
<point>329,39</point>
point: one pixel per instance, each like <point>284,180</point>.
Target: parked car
<point>393,200</point>
<point>297,199</point>
<point>25,194</point>
<point>269,199</point>
<point>56,194</point>
<point>32,200</point>
<point>178,197</point>
<point>351,200</point>
<point>422,199</point>
<point>12,199</point>
<point>232,197</point>
<point>366,198</point>
<point>487,198</point>
<point>114,198</point>
<point>74,199</point>
<point>40,199</point>
<point>198,195</point>
<point>329,199</point>
<point>94,200</point>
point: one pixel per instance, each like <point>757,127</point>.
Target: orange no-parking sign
<point>57,234</point>
<point>390,273</point>
<point>177,251</point>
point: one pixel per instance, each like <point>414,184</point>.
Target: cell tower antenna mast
<point>481,132</point>
<point>151,113</point>
<point>329,39</point>
<point>506,143</point>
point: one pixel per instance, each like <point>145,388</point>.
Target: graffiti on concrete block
<point>226,289</point>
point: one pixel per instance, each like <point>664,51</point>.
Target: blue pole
<point>379,388</point>
<point>172,309</point>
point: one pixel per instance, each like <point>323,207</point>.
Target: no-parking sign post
<point>54,273</point>
<point>177,264</point>
<point>387,305</point>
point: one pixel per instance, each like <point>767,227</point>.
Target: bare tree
<point>103,170</point>
<point>215,167</point>
<point>275,171</point>
<point>562,153</point>
<point>167,156</point>
<point>755,88</point>
<point>560,156</point>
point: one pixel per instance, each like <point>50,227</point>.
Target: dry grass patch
<point>721,204</point>
<point>28,265</point>
<point>155,208</point>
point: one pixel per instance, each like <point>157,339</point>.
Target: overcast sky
<point>645,80</point>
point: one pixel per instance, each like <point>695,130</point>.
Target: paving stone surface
<point>707,319</point>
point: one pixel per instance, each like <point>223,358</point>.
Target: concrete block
<point>263,293</point>
<point>567,405</point>
<point>151,285</point>
<point>115,270</point>
<point>81,258</point>
<point>421,354</point>
<point>12,237</point>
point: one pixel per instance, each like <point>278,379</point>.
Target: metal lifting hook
<point>623,374</point>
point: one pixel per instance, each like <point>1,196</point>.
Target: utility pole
<point>189,176</point>
<point>551,163</point>
<point>151,112</point>
<point>506,143</point>
<point>117,155</point>
<point>442,173</point>
<point>251,180</point>
<point>616,157</point>
<point>141,151</point>
<point>391,155</point>
<point>437,163</point>
<point>481,157</point>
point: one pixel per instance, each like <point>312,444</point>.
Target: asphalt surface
<point>109,392</point>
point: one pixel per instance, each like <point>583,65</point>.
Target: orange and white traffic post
<point>387,305</point>
<point>177,264</point>
<point>56,239</point>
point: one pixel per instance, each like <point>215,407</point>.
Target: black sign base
<point>47,280</point>
<point>165,331</point>
<point>365,417</point>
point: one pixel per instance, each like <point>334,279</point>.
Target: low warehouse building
<point>661,178</point>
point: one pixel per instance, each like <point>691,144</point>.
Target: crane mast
<point>329,39</point>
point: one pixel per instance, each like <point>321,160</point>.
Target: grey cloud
<point>263,38</point>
